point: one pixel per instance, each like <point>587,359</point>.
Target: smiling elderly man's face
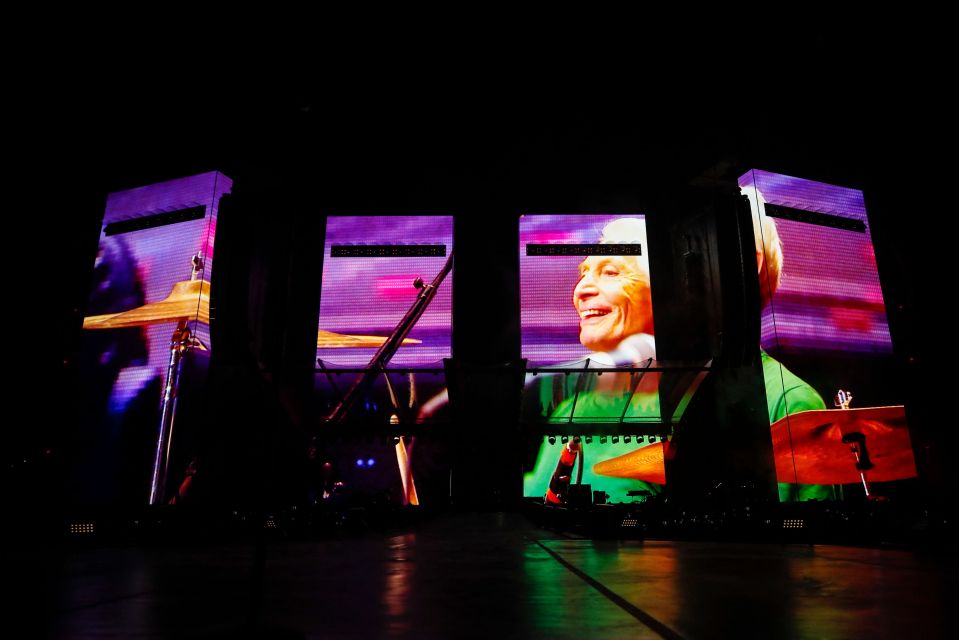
<point>612,300</point>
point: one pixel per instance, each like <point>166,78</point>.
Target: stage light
<point>360,462</point>
<point>627,439</point>
<point>589,439</point>
<point>552,439</point>
<point>652,439</point>
<point>615,439</point>
<point>602,439</point>
<point>81,528</point>
<point>370,462</point>
<point>565,439</point>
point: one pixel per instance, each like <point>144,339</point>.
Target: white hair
<point>629,231</point>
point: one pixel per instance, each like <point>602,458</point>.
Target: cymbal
<point>191,299</point>
<point>808,445</point>
<point>328,339</point>
<point>646,463</point>
<point>188,299</point>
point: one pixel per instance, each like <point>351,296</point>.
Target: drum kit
<point>189,302</point>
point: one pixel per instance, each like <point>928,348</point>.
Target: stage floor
<point>490,576</point>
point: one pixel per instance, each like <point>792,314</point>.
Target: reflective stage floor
<point>487,576</point>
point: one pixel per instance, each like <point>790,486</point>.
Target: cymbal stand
<point>856,442</point>
<point>181,342</point>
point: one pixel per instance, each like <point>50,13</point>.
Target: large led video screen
<point>585,309</point>
<point>150,276</point>
<point>365,294</point>
<point>386,280</point>
<point>832,390</point>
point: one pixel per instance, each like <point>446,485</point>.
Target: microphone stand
<point>388,349</point>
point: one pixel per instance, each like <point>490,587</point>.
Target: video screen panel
<point>831,382</point>
<point>376,272</point>
<point>152,270</point>
<point>589,311</point>
<point>369,295</point>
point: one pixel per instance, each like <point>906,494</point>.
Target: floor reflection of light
<point>399,582</point>
<point>848,593</point>
<point>559,600</point>
<point>642,573</point>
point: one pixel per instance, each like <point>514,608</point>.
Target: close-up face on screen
<point>151,273</point>
<point>573,306</point>
<point>825,339</point>
<point>585,309</point>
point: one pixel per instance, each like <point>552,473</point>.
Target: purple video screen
<point>825,340</point>
<point>589,311</point>
<point>368,296</point>
<point>145,261</point>
<point>363,299</point>
<point>829,297</point>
